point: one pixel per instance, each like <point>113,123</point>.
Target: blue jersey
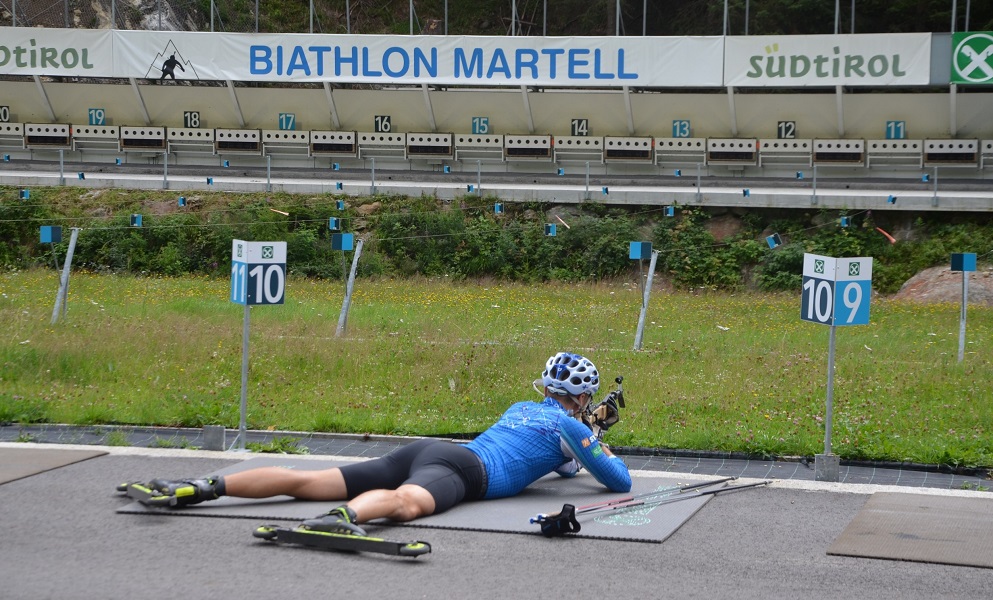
<point>532,439</point>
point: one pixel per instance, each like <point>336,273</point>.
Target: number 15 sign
<point>836,291</point>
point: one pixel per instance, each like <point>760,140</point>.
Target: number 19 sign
<point>836,291</point>
<point>258,272</point>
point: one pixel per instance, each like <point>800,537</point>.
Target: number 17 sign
<point>836,291</point>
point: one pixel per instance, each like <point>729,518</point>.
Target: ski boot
<point>340,520</point>
<point>175,494</point>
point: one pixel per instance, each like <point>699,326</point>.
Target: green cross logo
<point>267,252</point>
<point>819,266</point>
<point>972,58</point>
<point>853,269</point>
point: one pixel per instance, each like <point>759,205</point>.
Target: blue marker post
<point>964,262</point>
<point>639,252</point>
<point>345,243</point>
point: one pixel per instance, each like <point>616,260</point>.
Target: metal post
<point>617,19</point>
<point>62,297</point>
<point>165,170</point>
<point>725,17</point>
<point>826,466</point>
<point>699,193</point>
<point>587,196</point>
<point>62,165</point>
<point>479,177</point>
<point>348,17</point>
<point>312,16</point>
<point>212,15</point>
<point>813,199</point>
<point>934,195</point>
<point>965,300</point>
<point>65,12</point>
<point>373,176</point>
<point>243,421</point>
<point>343,318</point>
<point>13,14</point>
<point>411,17</point>
<point>830,390</point>
<point>158,9</point>
<point>644,300</point>
<point>268,173</point>
<point>446,17</point>
<point>513,17</point>
<point>113,14</point>
<point>644,18</point>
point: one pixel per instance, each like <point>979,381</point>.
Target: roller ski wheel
<point>310,538</point>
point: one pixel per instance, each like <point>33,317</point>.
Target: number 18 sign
<point>258,272</point>
<point>836,291</point>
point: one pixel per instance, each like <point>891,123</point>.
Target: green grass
<point>732,372</point>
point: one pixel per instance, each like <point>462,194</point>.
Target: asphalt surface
<point>64,540</point>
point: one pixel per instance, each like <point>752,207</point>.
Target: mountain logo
<point>167,61</point>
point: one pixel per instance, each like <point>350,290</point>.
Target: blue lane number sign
<point>258,272</point>
<point>836,291</point>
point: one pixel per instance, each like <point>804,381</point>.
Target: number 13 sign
<point>836,291</point>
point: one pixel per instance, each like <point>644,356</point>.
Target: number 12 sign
<point>258,272</point>
<point>836,291</point>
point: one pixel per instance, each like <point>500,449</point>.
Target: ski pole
<point>669,500</point>
<point>662,492</point>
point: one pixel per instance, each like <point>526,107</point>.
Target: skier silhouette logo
<point>169,67</point>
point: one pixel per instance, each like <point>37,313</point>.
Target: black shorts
<point>450,472</point>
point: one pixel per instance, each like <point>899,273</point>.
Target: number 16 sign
<point>836,291</point>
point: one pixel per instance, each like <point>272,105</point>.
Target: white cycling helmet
<point>571,373</point>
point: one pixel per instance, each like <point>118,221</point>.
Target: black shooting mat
<point>948,530</point>
<point>510,515</point>
<point>17,463</point>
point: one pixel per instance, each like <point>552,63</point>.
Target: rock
<point>940,284</point>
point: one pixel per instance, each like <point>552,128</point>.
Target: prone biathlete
<point>426,477</point>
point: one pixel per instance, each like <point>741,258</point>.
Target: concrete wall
<point>927,115</point>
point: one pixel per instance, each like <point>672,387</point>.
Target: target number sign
<point>258,272</point>
<point>836,291</point>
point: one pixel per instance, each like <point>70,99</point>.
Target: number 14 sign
<point>836,291</point>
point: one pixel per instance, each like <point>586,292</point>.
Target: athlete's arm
<point>608,469</point>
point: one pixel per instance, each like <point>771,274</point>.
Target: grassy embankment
<point>735,372</point>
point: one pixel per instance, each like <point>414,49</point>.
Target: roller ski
<point>337,530</point>
<point>164,493</point>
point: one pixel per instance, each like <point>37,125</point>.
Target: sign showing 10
<point>258,272</point>
<point>827,280</point>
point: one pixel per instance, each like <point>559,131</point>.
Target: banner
<point>972,57</point>
<point>594,62</point>
<point>582,62</point>
<point>828,60</point>
<point>66,52</point>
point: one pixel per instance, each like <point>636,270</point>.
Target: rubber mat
<point>17,463</point>
<point>948,530</point>
<point>509,515</point>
